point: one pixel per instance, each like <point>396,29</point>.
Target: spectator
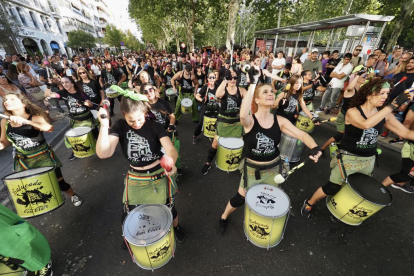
<point>381,64</point>
<point>325,59</point>
<point>13,75</point>
<point>393,61</point>
<point>15,59</point>
<point>296,66</point>
<point>56,65</point>
<point>6,62</point>
<point>304,55</point>
<point>1,60</point>
<point>313,64</point>
<point>278,63</point>
<point>330,66</point>
<point>397,66</point>
<point>356,59</point>
<point>33,64</point>
<point>339,75</point>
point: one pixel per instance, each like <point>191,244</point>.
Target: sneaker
<point>72,157</point>
<point>407,188</point>
<point>46,271</point>
<point>179,233</point>
<point>195,140</point>
<point>327,111</point>
<point>384,134</point>
<point>76,200</point>
<point>223,225</point>
<point>396,141</point>
<point>306,209</point>
<point>179,172</point>
<point>205,169</point>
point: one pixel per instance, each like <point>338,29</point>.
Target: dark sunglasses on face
<point>233,78</point>
<point>82,73</point>
<point>150,90</point>
<point>359,50</point>
<point>211,78</point>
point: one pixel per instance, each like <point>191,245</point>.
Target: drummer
<point>309,87</point>
<point>207,96</point>
<point>263,132</point>
<point>228,121</point>
<point>79,107</point>
<point>111,76</point>
<point>363,123</point>
<point>187,83</point>
<point>91,87</point>
<point>141,141</point>
<point>164,115</point>
<point>24,130</point>
<point>167,76</point>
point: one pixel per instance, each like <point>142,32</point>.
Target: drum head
<point>267,201</point>
<point>28,173</point>
<point>78,131</point>
<point>370,189</point>
<point>170,91</point>
<point>304,114</point>
<point>147,224</point>
<point>186,102</point>
<point>231,143</point>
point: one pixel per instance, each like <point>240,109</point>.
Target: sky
<point>120,11</point>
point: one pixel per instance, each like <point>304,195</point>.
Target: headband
<point>384,85</point>
<point>129,94</point>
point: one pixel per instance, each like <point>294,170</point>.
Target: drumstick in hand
<point>333,119</point>
<point>4,116</point>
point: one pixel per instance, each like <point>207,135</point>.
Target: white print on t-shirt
<point>75,107</point>
<point>231,104</point>
<point>138,148</point>
<point>158,116</point>
<point>168,78</point>
<point>23,142</point>
<point>243,79</point>
<point>186,84</point>
<point>292,106</point>
<point>88,91</point>
<point>111,79</point>
<point>265,145</point>
<point>307,94</point>
<point>369,137</point>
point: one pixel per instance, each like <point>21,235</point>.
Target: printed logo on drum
<point>259,230</point>
<point>27,197</point>
<point>266,200</point>
<point>265,145</point>
<point>160,252</point>
<point>233,158</point>
<point>78,145</point>
<point>359,212</point>
<point>333,202</point>
<point>211,125</point>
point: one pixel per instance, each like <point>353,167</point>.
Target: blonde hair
<point>21,66</point>
<point>87,73</point>
<point>30,108</point>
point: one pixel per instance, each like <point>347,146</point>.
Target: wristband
<point>314,151</point>
<point>171,127</point>
<point>393,107</point>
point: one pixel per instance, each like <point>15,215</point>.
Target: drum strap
<point>228,121</point>
<point>20,157</point>
<point>262,168</point>
<point>341,166</point>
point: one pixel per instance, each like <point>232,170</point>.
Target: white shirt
<point>339,69</point>
<point>304,57</point>
<point>96,70</point>
<point>278,62</point>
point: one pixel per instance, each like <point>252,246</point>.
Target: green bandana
<point>129,94</point>
<point>386,85</point>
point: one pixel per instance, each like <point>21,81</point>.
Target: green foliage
<point>80,38</point>
<point>114,36</point>
<point>132,42</point>
<point>9,28</point>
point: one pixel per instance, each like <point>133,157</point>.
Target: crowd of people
<point>252,97</point>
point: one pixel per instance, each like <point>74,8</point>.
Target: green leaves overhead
<point>79,38</point>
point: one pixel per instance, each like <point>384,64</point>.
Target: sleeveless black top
<point>230,104</point>
<point>346,102</point>
<point>25,137</point>
<point>361,142</point>
<point>289,107</point>
<point>186,84</point>
<point>262,144</point>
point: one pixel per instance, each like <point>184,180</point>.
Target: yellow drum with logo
<point>229,153</point>
<point>290,148</point>
<point>265,215</point>
<point>359,199</point>
<point>305,123</point>
<point>82,141</point>
<point>7,271</point>
<point>186,105</point>
<point>209,126</point>
<point>310,106</point>
<point>34,192</point>
<point>149,233</point>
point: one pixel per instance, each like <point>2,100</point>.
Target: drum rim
<point>218,140</point>
<point>48,169</point>
<point>170,217</point>
<point>284,214</point>
<point>79,134</point>
<point>24,270</point>
<point>375,203</point>
<point>186,100</point>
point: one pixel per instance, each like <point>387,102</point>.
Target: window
<point>49,23</point>
<point>59,27</point>
<point>33,16</point>
<point>21,15</point>
<point>44,23</point>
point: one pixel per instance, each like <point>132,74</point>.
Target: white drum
<point>266,214</point>
<point>186,105</point>
<point>229,153</point>
<point>290,148</point>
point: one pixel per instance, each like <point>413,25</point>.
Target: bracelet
<point>172,127</point>
<point>393,107</point>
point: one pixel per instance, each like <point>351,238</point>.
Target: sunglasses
<point>359,50</point>
<point>233,78</point>
<point>82,73</point>
<point>211,78</point>
<point>2,77</point>
<point>150,90</point>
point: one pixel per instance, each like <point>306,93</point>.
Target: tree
<point>233,8</point>
<point>114,36</point>
<point>81,39</point>
<point>132,42</point>
<point>9,29</point>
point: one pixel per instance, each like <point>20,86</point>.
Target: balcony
<point>56,15</point>
<point>101,6</point>
<point>69,28</point>
<point>103,24</point>
<point>103,16</point>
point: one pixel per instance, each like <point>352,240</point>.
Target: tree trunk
<point>177,41</point>
<point>234,7</point>
<point>407,8</point>
<point>190,24</point>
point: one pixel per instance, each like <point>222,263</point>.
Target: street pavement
<point>86,240</point>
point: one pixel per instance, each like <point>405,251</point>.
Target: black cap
<point>107,61</point>
<point>227,61</point>
<point>188,67</point>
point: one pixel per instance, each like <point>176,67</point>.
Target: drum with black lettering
<point>7,271</point>
<point>82,141</point>
<point>148,231</point>
<point>229,153</point>
<point>305,123</point>
<point>186,105</point>
<point>209,125</point>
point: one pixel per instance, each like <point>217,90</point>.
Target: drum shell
<point>5,270</point>
<point>228,159</point>
<point>185,109</point>
<point>35,194</point>
<point>209,126</point>
<point>112,95</point>
<point>149,257</point>
<point>305,123</point>
<point>170,93</point>
<point>83,145</point>
<point>350,207</point>
<point>290,148</point>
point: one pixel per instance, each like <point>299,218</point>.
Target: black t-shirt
<point>208,95</point>
<point>91,90</point>
<point>57,68</point>
<point>123,69</point>
<point>161,110</point>
<point>242,79</point>
<point>141,147</point>
<point>25,137</point>
<point>400,88</point>
<point>288,108</point>
<point>167,79</point>
<point>223,73</point>
<point>201,79</point>
<point>332,62</point>
<point>74,102</point>
<point>111,77</point>
<point>308,94</point>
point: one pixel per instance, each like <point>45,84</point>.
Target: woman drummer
<point>24,130</point>
<point>78,104</point>
<point>228,121</point>
<point>363,123</point>
<point>263,132</point>
<point>141,141</point>
<point>91,87</point>
<point>164,115</point>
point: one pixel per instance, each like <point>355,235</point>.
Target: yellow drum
<point>149,233</point>
<point>305,123</point>
<point>82,141</point>
<point>265,215</point>
<point>290,148</point>
<point>34,192</point>
<point>7,271</point>
<point>333,148</point>
<point>209,126</point>
<point>170,93</point>
<point>359,199</point>
<point>229,153</point>
<point>186,105</point>
<point>111,93</point>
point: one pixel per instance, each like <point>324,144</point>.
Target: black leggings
<point>403,175</point>
<point>62,183</point>
<point>199,126</point>
<point>112,101</point>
